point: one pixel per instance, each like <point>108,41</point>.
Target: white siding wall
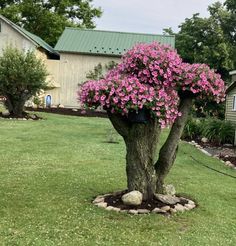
<point>8,36</point>
<point>72,71</point>
<point>230,113</point>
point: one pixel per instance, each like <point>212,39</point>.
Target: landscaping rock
<point>98,200</point>
<point>191,202</point>
<point>5,113</point>
<point>179,207</point>
<point>173,210</point>
<point>133,211</point>
<point>165,208</point>
<point>228,163</point>
<point>110,208</point>
<point>158,210</point>
<point>189,206</point>
<point>204,140</point>
<point>169,189</point>
<point>132,198</point>
<point>143,211</point>
<point>74,109</point>
<point>102,204</point>
<point>198,146</point>
<point>228,145</point>
<point>205,152</point>
<point>171,200</point>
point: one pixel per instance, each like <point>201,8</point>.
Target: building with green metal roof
<point>110,43</point>
<point>10,33</point>
<point>81,50</point>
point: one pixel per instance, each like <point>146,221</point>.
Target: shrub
<point>22,75</point>
<point>192,129</point>
<point>219,131</point>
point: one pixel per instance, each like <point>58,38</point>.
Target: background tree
<point>209,40</point>
<point>150,89</point>
<point>48,18</point>
<point>22,75</point>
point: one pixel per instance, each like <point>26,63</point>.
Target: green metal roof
<point>37,40</point>
<point>105,42</point>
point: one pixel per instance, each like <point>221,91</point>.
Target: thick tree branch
<point>120,123</point>
<point>168,151</point>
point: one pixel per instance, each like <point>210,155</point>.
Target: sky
<point>147,16</point>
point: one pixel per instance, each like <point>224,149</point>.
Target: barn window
<point>234,102</point>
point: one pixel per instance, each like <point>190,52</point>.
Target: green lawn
<point>51,169</point>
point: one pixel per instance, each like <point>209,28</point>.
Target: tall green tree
<point>48,18</point>
<point>210,40</point>
<point>22,75</point>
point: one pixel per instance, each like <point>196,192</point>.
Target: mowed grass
<point>51,169</point>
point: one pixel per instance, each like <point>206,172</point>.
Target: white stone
<point>111,208</point>
<point>74,109</point>
<point>132,198</point>
<point>179,207</point>
<point>205,152</point>
<point>61,106</point>
<point>226,156</point>
<point>98,200</point>
<point>204,140</point>
<point>198,146</point>
<point>5,113</point>
<point>158,210</point>
<point>190,206</point>
<point>165,208</point>
<point>228,163</point>
<point>173,210</point>
<point>133,211</point>
<point>191,202</point>
<point>102,204</point>
<point>143,211</point>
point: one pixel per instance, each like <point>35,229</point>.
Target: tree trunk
<point>16,106</point>
<point>141,145</point>
<point>168,151</point>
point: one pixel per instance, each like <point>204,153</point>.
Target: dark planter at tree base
<point>140,116</point>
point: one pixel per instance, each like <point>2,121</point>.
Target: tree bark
<point>168,151</point>
<point>141,144</point>
<point>15,106</point>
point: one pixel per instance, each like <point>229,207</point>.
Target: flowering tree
<point>151,81</point>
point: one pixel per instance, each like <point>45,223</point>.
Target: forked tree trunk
<point>141,140</point>
<point>141,144</point>
<point>169,150</point>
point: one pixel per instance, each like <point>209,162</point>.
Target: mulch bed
<point>114,200</point>
<point>69,111</point>
<point>225,152</point>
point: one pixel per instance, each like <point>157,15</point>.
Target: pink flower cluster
<point>151,76</point>
<point>153,63</point>
<point>122,95</point>
<point>202,81</point>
